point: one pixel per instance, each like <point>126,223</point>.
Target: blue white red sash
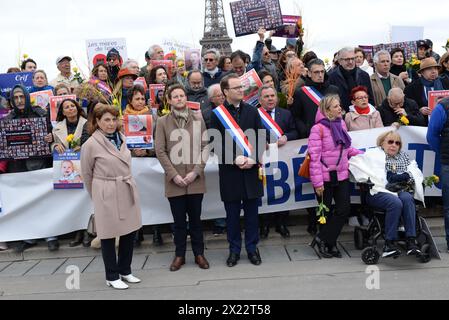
<point>234,130</point>
<point>313,94</point>
<point>269,123</point>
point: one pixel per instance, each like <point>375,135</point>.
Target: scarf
<point>181,116</point>
<point>430,86</point>
<point>212,73</point>
<point>397,70</point>
<point>115,139</point>
<point>362,110</point>
<point>350,77</point>
<point>339,135</point>
<point>131,111</point>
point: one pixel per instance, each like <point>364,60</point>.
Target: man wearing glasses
<point>241,185</point>
<point>212,74</point>
<point>347,76</point>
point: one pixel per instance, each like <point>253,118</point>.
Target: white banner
<point>32,209</point>
<point>98,49</point>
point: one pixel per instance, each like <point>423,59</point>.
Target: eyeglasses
<point>236,88</point>
<point>348,59</point>
<point>398,143</point>
<point>361,98</point>
<point>209,60</point>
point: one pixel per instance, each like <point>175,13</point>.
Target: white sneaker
<point>117,284</point>
<point>130,278</point>
<point>365,220</point>
<point>354,222</point>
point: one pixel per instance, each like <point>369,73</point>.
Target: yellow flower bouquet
<point>74,144</point>
<point>413,63</point>
<point>431,180</point>
<point>403,120</point>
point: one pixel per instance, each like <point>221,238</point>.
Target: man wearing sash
<point>240,128</point>
<point>281,126</point>
<point>307,99</point>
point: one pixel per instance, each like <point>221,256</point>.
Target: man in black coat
<point>397,105</point>
<point>304,108</point>
<point>347,76</point>
<point>240,183</point>
<point>268,100</point>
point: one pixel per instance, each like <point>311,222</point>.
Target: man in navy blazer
<point>268,100</point>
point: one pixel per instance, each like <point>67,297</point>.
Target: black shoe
<point>254,258</point>
<point>53,245</point>
<point>232,259</point>
<point>86,239</point>
<point>282,229</point>
<point>264,231</point>
<point>157,238</point>
<point>77,240</point>
<point>322,248</point>
<point>390,250</point>
<point>333,250</point>
<point>412,247</point>
<point>22,246</point>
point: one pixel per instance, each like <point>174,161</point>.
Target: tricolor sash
<point>234,130</point>
<point>269,123</point>
<point>313,94</point>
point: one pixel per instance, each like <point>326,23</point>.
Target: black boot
<point>77,240</point>
<point>157,237</point>
<point>322,247</point>
<point>333,250</point>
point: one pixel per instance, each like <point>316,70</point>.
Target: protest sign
<point>41,98</point>
<point>436,96</point>
<point>142,82</point>
<point>193,105</point>
<point>291,27</point>
<point>193,59</point>
<point>156,94</point>
<point>409,48</point>
<point>250,15</point>
<point>167,64</point>
<point>97,50</point>
<point>251,84</point>
<point>54,106</point>
<point>67,170</point>
<point>406,33</point>
<point>23,139</point>
<point>9,80</point>
<point>170,45</point>
<point>368,52</point>
<point>138,131</point>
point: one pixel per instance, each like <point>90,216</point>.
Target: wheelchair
<point>366,237</point>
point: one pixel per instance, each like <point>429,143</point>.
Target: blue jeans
<point>395,207</point>
<point>445,188</point>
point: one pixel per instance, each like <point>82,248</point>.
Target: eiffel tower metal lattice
<point>215,31</point>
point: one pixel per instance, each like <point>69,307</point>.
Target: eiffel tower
<point>215,31</point>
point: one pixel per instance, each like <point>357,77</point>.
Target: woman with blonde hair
<point>329,149</point>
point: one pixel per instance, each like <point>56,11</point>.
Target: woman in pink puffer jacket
<point>329,149</point>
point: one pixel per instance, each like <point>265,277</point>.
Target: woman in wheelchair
<point>397,182</point>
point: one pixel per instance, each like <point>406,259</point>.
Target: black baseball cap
<point>422,43</point>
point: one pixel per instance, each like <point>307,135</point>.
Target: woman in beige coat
<point>184,172</point>
<point>106,171</point>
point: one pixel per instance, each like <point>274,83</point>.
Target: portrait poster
<point>55,101</point>
<point>41,98</point>
<point>156,94</point>
<point>290,29</point>
<point>168,65</point>
<point>409,48</point>
<point>23,139</point>
<point>369,53</point>
<point>67,170</point>
<point>138,131</point>
<point>9,80</point>
<point>436,96</point>
<point>251,84</point>
<point>193,59</point>
<point>97,50</point>
<point>249,15</point>
<point>142,82</point>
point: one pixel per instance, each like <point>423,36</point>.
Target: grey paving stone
<point>18,268</point>
<point>81,263</point>
<point>96,266</point>
<point>273,254</point>
<point>301,253</point>
<point>10,255</point>
<point>159,260</point>
<point>3,265</point>
<point>349,247</point>
<point>139,261</point>
<point>46,267</point>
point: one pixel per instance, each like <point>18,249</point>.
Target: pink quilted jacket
<point>321,146</point>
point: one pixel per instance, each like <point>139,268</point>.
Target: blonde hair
<point>326,103</point>
<point>394,134</point>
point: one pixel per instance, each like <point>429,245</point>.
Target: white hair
<point>128,62</point>
<point>211,90</point>
<point>214,52</point>
<point>395,92</point>
<point>376,57</point>
<point>152,49</point>
<point>345,50</point>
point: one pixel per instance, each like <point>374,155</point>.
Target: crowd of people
<point>300,98</point>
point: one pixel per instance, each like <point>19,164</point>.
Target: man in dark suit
<point>347,76</point>
<point>240,183</point>
<point>269,102</point>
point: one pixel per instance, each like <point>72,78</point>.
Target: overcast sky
<point>48,28</point>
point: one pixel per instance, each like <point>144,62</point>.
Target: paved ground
<point>290,270</point>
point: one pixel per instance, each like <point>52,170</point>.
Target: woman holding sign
<point>185,183</point>
<point>106,171</point>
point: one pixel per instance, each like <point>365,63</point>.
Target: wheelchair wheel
<point>370,255</point>
<point>424,256</point>
<point>359,241</point>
